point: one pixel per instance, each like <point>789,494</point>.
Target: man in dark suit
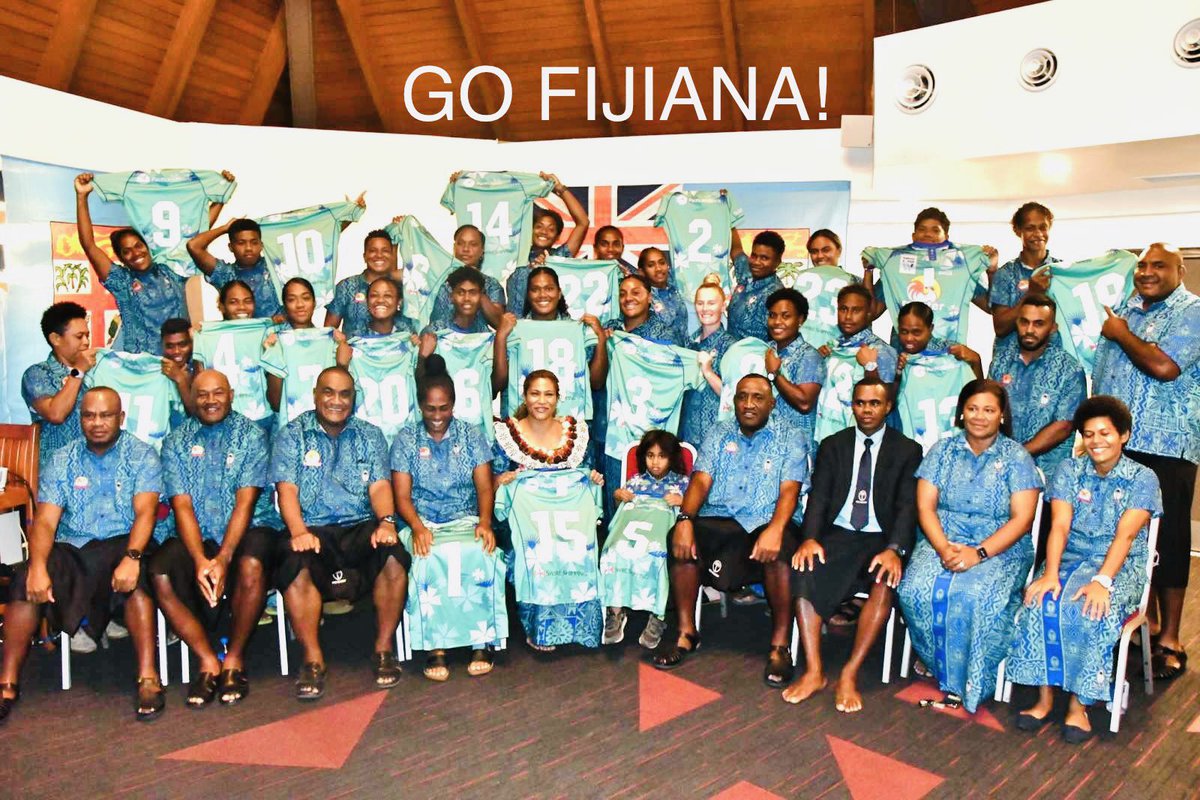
<point>861,519</point>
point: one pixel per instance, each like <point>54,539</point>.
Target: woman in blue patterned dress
<point>535,437</point>
<point>711,340</point>
<point>976,496</point>
<point>1094,574</point>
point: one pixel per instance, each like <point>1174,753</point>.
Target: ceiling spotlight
<point>916,89</point>
<point>1038,70</point>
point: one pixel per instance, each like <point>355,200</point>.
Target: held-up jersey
<point>304,244</point>
<point>561,346</point>
<point>552,515</point>
<point>298,356</point>
<point>456,597</point>
<point>168,207</point>
<point>928,395</point>
<point>646,382</point>
<point>426,265</point>
<point>589,287</point>
<point>383,369</point>
<point>1081,290</point>
<point>148,397</point>
<point>944,276</point>
<point>820,286</point>
<point>699,227</point>
<point>469,363</point>
<point>501,205</point>
<point>743,357</point>
<point>234,348</point>
<point>633,564</point>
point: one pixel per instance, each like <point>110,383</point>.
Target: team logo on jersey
<point>1006,379</point>
<point>918,372</point>
<point>908,264</point>
<point>82,482</point>
<point>197,451</point>
<point>920,291</point>
<point>424,452</point>
<point>312,459</point>
<point>1085,495</point>
<point>715,568</point>
<point>136,286</point>
<point>288,338</point>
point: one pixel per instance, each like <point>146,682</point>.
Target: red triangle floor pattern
<point>873,776</point>
<point>663,697</point>
<point>922,690</point>
<point>745,790</point>
<point>321,738</point>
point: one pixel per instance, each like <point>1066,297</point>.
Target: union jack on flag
<point>629,208</point>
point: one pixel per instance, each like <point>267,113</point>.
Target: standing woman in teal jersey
<point>299,305</point>
<point>348,308</point>
<point>468,250</point>
<point>710,341</point>
<point>147,294</point>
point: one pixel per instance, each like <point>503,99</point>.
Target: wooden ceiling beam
<point>466,24</point>
<point>935,12</point>
<point>182,48</point>
<point>604,68</point>
<point>298,26</point>
<point>385,106</point>
<point>66,43</point>
<point>267,73</point>
<point>733,61</point>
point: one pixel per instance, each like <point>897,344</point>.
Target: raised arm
<point>1146,356</point>
<point>598,366</point>
<point>197,247</point>
<point>500,352</point>
<point>575,208</point>
<point>215,209</point>
<point>83,221</point>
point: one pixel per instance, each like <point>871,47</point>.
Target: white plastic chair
<point>185,666</point>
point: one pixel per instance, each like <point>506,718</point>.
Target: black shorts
<point>81,580</point>
<point>1177,480</point>
<point>847,556</point>
<point>723,548</point>
<point>347,565</point>
<point>175,562</point>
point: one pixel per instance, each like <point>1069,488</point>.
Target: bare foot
<point>1077,715</point>
<point>847,698</point>
<point>804,687</point>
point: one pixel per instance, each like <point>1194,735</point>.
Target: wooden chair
<point>19,452</point>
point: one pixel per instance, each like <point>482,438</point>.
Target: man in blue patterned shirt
<point>755,278</point>
<point>215,470</point>
<point>1045,385</point>
<point>1149,357</point>
<point>335,496</point>
<point>248,265</point>
<point>1023,275</point>
<point>52,389</point>
<point>739,521</point>
<point>95,518</point>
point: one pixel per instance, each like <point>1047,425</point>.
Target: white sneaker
<point>82,643</point>
<point>614,626</point>
<point>115,630</point>
<point>652,635</point>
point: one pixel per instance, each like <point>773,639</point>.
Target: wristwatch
<point>681,517</point>
<point>897,549</point>
<point>1103,580</point>
<point>389,518</point>
<point>871,366</point>
<point>982,553</point>
<point>133,554</point>
<point>74,373</point>
<point>771,377</point>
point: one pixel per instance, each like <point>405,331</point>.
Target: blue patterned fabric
<point>45,379</point>
<point>258,278</point>
<point>1054,644</point>
<point>145,300</point>
<point>350,303</point>
<point>333,473</point>
<point>748,306</point>
<point>1009,284</point>
<point>800,363</point>
<point>700,406</point>
<point>443,489</point>
<point>654,329</point>
<point>747,470</point>
<point>209,463</point>
<point>1163,422</point>
<point>961,623</point>
<point>95,492</point>
<point>646,485</point>
<point>668,305</point>
<point>442,315</point>
<point>1046,390</point>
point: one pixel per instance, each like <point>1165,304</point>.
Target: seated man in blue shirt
<point>215,470</point>
<point>335,496</point>
<point>95,519</point>
<point>739,521</point>
<point>53,389</point>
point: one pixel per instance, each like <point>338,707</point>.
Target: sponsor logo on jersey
<point>919,290</point>
<point>908,264</point>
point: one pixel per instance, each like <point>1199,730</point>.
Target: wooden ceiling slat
<point>471,37</point>
<point>181,52</point>
<point>267,74</point>
<point>363,44</point>
<point>604,67</point>
<point>117,33</point>
<point>301,56</point>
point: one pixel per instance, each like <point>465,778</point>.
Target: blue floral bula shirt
<point>45,379</point>
<point>350,303</point>
<point>443,487</point>
<point>266,300</point>
<point>145,301</point>
<point>748,306</point>
<point>748,470</point>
